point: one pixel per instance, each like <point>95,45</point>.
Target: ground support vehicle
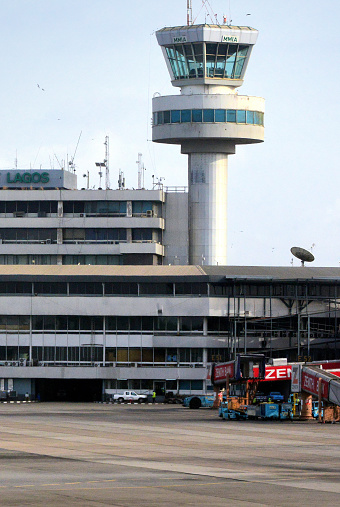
<point>259,397</point>
<point>269,411</point>
<point>199,401</point>
<point>253,411</point>
<point>286,411</point>
<point>275,396</point>
<point>315,409</point>
<point>171,398</point>
<point>228,413</point>
<point>130,396</point>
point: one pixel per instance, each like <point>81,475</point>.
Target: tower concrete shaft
<point>208,119</point>
<point>207,177</point>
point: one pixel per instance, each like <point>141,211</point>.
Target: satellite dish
<point>302,254</point>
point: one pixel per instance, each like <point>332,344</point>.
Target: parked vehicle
<point>129,396</point>
<point>275,396</point>
<point>171,398</point>
<point>260,397</point>
<point>199,401</point>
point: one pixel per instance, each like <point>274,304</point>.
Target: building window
<point>216,116</point>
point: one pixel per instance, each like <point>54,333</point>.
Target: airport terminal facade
<point>78,330</point>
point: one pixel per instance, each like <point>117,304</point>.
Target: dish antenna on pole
<point>302,254</point>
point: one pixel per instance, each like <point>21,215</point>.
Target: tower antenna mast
<point>141,170</point>
<point>189,12</point>
<point>106,162</point>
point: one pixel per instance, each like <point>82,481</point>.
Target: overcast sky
<point>98,64</point>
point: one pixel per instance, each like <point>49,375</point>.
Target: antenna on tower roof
<point>141,170</point>
<point>106,161</point>
<point>71,162</point>
<point>105,164</point>
<point>189,12</point>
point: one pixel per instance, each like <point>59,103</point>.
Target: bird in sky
<point>42,89</point>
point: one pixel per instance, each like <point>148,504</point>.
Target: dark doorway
<point>68,390</point>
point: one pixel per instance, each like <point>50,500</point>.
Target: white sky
<point>99,64</point>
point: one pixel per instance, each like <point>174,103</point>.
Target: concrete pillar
<point>208,174</point>
<point>307,407</point>
<point>217,400</point>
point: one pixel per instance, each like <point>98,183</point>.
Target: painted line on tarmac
<point>113,487</point>
<point>58,484</point>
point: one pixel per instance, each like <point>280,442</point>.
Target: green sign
<point>229,38</point>
<point>179,40</point>
<point>28,178</point>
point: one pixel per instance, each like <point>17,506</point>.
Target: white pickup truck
<point>126,396</point>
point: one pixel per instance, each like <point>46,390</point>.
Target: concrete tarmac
<point>66,454</point>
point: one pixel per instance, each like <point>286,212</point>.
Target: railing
<point>180,189</point>
<point>103,364</point>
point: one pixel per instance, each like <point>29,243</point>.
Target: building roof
<point>273,272</point>
<point>206,25</point>
<point>213,273</point>
<point>89,270</point>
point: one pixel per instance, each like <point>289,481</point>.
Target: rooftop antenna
<point>87,176</point>
<point>189,12</point>
<point>106,161</point>
<point>210,14</point>
<point>302,254</point>
<point>71,162</point>
<point>121,180</point>
<point>105,164</point>
<point>100,178</point>
<point>141,170</point>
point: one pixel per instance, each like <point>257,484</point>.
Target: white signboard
<point>296,378</point>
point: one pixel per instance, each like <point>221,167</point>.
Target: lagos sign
<point>28,177</point>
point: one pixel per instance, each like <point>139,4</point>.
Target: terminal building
<point>130,289</point>
<point>45,220</point>
<point>75,331</point>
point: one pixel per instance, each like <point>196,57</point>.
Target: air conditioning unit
<point>149,213</point>
<point>41,213</point>
<point>82,215</point>
<point>48,241</point>
<point>19,214</point>
<point>22,361</point>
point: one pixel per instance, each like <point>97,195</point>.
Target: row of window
<point>101,208</point>
<point>112,354</point>
<point>70,235</point>
<point>213,60</point>
<point>93,260</point>
<point>100,289</point>
<point>13,323</point>
<point>290,291</point>
<point>150,385</point>
<point>240,116</point>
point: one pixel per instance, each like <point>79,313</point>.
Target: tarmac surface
<point>67,454</point>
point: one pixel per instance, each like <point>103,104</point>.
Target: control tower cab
<point>208,119</point>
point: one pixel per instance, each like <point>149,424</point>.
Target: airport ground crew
<point>154,397</point>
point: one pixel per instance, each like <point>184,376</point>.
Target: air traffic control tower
<point>208,119</point>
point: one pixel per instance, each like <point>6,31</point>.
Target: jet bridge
<point>330,383</point>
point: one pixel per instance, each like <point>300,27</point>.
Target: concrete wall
<point>176,234</point>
